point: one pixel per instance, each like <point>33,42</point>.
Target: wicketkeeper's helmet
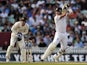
<point>23,18</point>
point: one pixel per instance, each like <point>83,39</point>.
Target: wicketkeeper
<point>19,29</point>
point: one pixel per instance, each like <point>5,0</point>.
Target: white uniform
<point>17,27</point>
<point>60,36</point>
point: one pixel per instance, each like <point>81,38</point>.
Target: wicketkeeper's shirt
<point>17,27</point>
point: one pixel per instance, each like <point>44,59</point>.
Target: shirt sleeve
<point>26,29</point>
<point>14,27</point>
<point>56,18</point>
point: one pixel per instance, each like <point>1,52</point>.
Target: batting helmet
<point>59,9</point>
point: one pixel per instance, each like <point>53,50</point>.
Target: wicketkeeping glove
<point>19,36</point>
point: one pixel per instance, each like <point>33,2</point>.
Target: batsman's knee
<point>52,46</point>
<point>62,51</point>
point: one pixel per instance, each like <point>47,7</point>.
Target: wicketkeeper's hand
<point>19,36</point>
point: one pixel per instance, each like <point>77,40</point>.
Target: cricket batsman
<point>19,29</point>
<point>60,20</point>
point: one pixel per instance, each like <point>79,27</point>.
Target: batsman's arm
<point>67,8</point>
<point>63,14</point>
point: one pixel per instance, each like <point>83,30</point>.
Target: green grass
<point>45,63</point>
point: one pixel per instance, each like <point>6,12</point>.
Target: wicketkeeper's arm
<point>14,28</point>
<point>26,30</point>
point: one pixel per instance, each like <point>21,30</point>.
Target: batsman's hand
<point>65,7</point>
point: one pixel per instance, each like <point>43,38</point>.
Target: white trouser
<point>58,38</point>
<point>20,44</point>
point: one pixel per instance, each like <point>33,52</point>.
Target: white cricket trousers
<point>20,44</point>
<point>58,38</point>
